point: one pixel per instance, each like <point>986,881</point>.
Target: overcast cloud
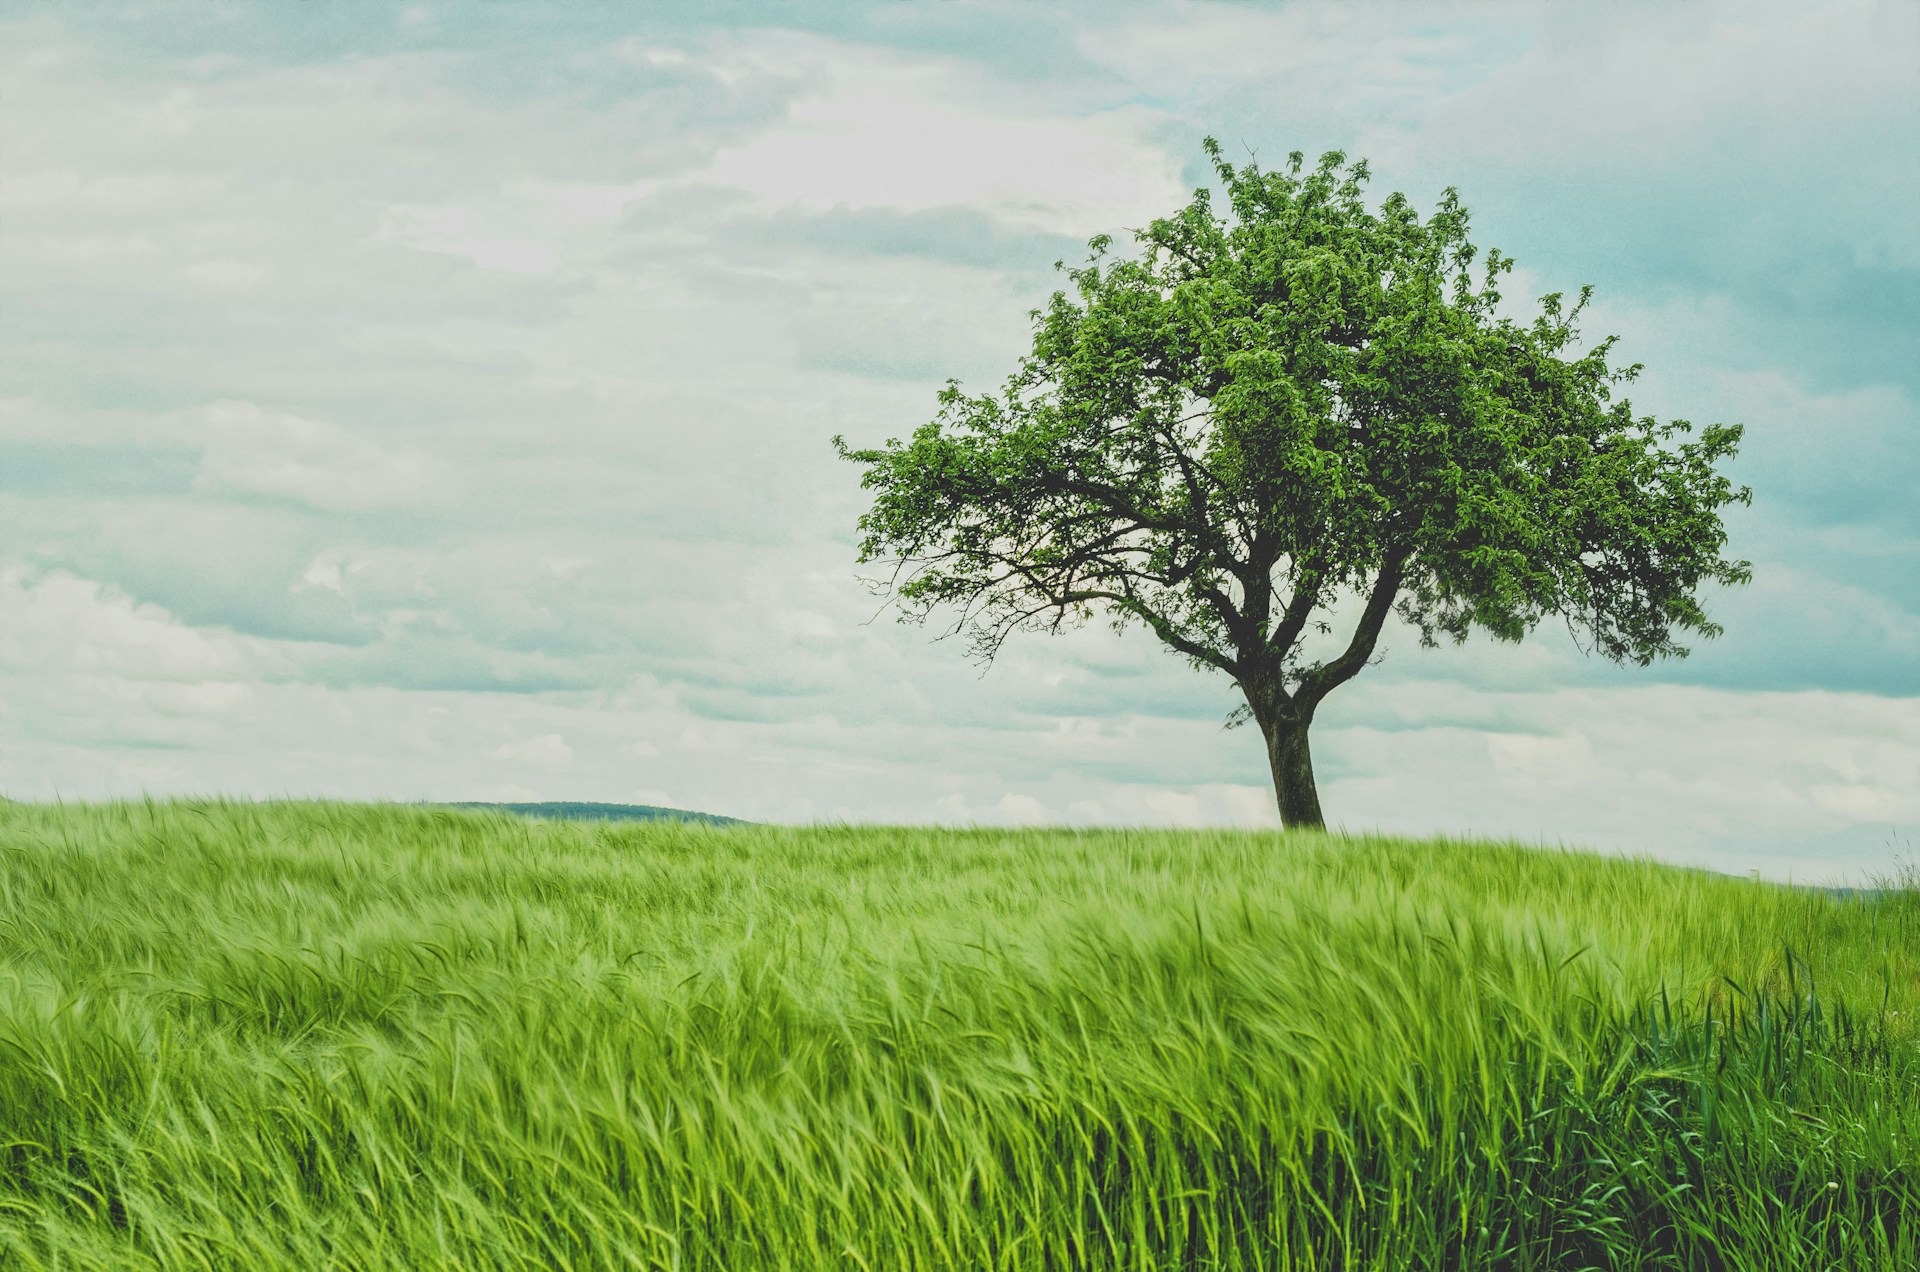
<point>433,401</point>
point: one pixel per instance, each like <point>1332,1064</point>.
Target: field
<point>334,1036</point>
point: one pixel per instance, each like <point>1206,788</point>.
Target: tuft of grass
<point>334,1036</point>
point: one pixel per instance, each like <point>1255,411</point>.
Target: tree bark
<point>1284,720</point>
<point>1292,762</point>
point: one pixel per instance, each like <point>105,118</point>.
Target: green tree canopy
<point>1298,411</point>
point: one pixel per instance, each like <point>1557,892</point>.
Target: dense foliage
<point>1305,411</point>
<point>326,1036</point>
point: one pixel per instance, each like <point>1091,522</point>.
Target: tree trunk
<point>1292,762</point>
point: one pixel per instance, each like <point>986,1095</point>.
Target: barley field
<point>332,1036</point>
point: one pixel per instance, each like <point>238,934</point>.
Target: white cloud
<point>1367,57</point>
<point>327,573</point>
<point>79,658</point>
<point>1569,757</point>
<point>206,698</point>
<point>320,463</point>
<point>525,227</point>
<point>1019,809</point>
<point>227,275</point>
<point>705,737</point>
<point>548,750</point>
<point>885,130</point>
<point>1665,87</point>
<point>57,620</point>
<point>1704,775</point>
<point>1174,808</point>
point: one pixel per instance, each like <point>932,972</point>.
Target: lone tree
<point>1304,413</point>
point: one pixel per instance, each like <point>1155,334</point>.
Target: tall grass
<point>331,1036</point>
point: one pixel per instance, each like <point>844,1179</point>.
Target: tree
<point>1301,412</point>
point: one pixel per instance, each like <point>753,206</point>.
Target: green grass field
<point>333,1036</point>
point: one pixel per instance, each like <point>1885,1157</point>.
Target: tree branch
<point>1293,621</point>
<point>1327,677</point>
<point>1165,631</point>
<point>1058,591</point>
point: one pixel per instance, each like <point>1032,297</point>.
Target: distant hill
<point>566,810</point>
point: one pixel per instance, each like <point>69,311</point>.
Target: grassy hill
<point>571,810</point>
<point>332,1036</point>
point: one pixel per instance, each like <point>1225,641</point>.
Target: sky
<point>434,401</point>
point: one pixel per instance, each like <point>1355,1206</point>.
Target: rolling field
<point>337,1036</point>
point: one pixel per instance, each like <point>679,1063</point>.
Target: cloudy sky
<point>433,401</point>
